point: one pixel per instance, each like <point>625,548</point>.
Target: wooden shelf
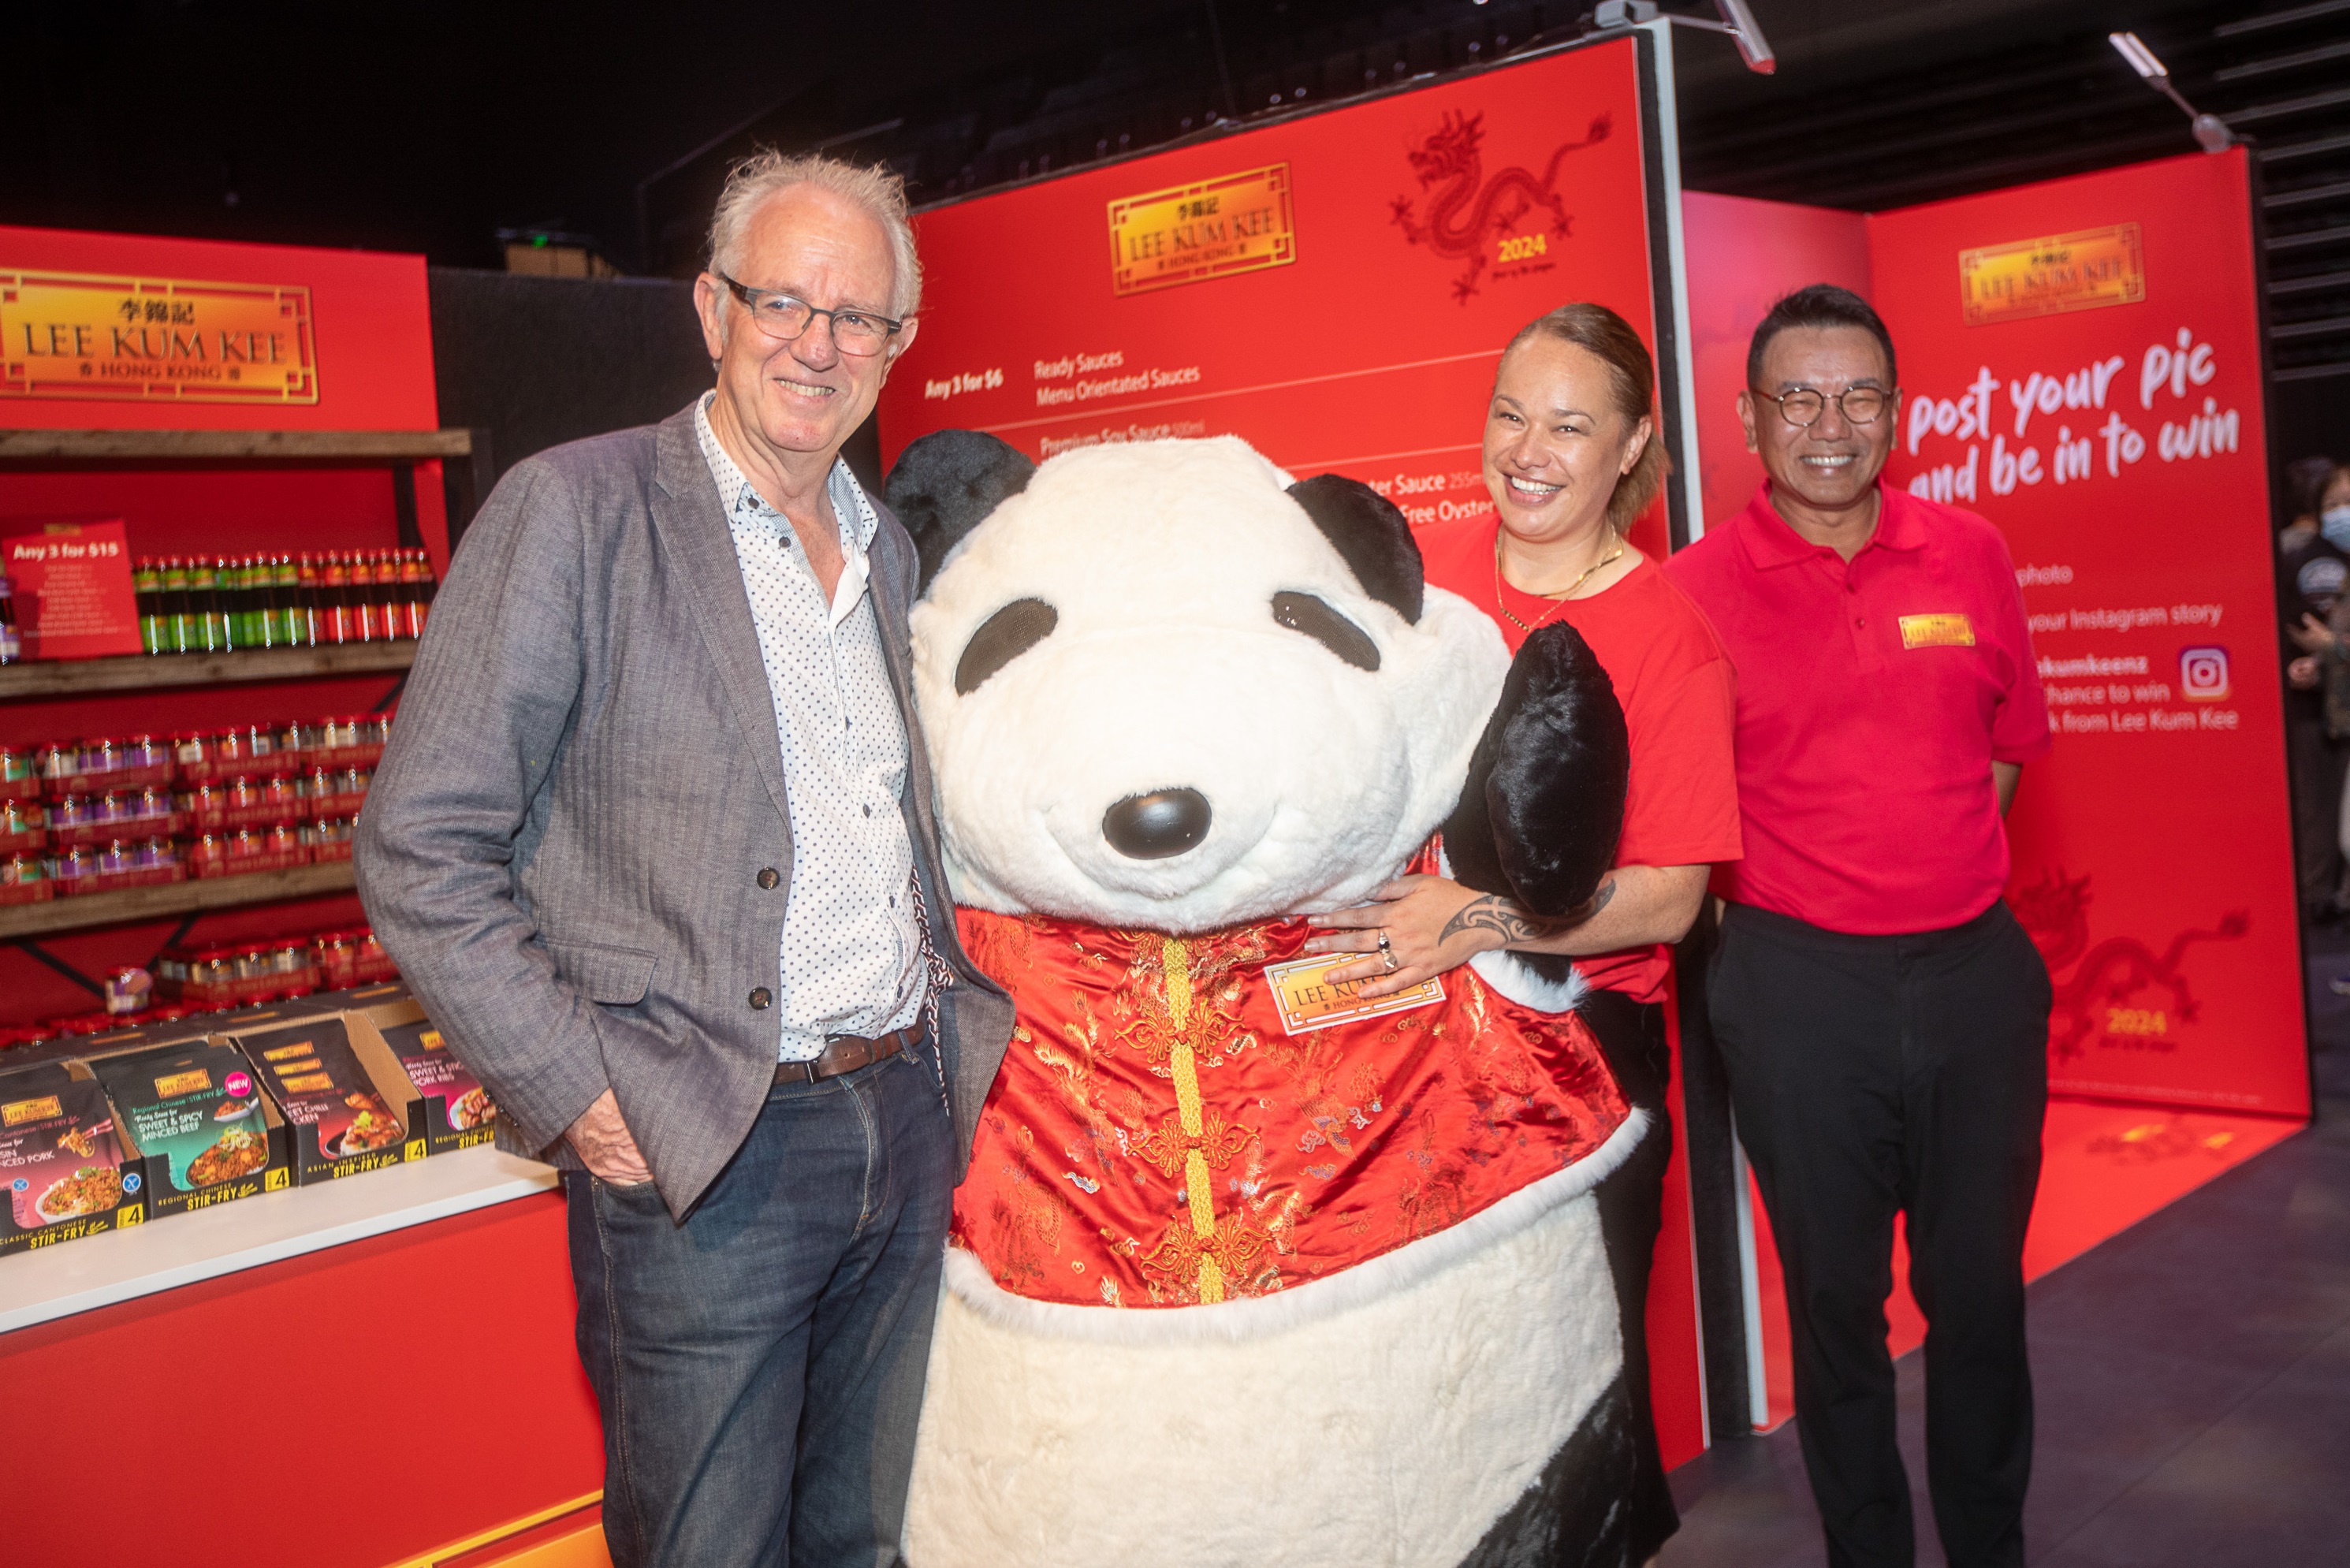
<point>173,898</point>
<point>232,446</point>
<point>144,672</point>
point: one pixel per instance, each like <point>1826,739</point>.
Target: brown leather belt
<point>846,1052</point>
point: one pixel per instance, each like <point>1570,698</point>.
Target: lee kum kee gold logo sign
<point>1233,223</point>
<point>79,335</point>
<point>2042,277</point>
<point>30,1110</point>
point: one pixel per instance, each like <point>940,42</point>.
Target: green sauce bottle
<point>154,625</point>
<point>207,619</point>
<point>286,603</point>
<point>179,619</point>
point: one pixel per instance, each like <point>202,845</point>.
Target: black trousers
<point>2315,766</point>
<point>1872,1076</point>
<point>1631,1214</point>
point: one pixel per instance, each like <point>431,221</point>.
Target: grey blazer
<point>564,845</point>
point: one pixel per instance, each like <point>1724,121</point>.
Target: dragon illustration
<point>2054,912</point>
<point>1465,210</point>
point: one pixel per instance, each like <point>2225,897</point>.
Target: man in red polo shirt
<point>1882,1016</point>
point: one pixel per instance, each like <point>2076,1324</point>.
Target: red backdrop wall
<point>1370,354</point>
<point>2153,850</point>
<point>1743,256</point>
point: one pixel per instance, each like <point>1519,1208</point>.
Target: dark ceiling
<point>429,125</point>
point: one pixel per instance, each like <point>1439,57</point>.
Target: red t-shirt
<point>1873,697</point>
<point>1679,695</point>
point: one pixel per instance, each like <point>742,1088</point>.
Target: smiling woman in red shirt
<point>1571,459</point>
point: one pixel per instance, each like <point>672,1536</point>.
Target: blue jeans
<point>759,1367</point>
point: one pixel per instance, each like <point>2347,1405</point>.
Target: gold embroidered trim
<point>1186,1072</point>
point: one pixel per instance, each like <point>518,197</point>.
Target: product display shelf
<point>144,672</point>
<point>461,450</point>
<point>164,1255</point>
<point>169,898</point>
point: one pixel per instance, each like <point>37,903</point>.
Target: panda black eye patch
<point>1304,612</point>
<point>1002,638</point>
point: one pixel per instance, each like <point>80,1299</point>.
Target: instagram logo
<point>2203,674</point>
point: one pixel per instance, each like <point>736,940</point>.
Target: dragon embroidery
<point>2107,977</point>
<point>1465,210</point>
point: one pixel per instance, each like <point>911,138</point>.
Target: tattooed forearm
<point>1511,922</point>
<point>1491,913</point>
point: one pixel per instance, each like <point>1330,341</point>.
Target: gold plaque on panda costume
<point>1306,1000</point>
<point>1211,228</point>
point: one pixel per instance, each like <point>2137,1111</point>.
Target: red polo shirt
<point>1677,691</point>
<point>1873,697</point>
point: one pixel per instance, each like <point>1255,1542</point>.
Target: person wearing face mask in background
<point>2327,645</point>
<point>2311,571</point>
<point>2305,477</point>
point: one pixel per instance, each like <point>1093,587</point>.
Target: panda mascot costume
<point>1247,1270</point>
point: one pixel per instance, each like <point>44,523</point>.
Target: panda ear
<point>1370,536</point>
<point>1544,804</point>
<point>946,483</point>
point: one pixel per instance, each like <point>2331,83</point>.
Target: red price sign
<point>73,590</point>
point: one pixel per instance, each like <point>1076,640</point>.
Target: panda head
<point>1163,686</point>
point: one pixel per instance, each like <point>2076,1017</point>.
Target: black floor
<point>2192,1380</point>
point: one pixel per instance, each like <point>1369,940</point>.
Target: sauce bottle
<point>147,586</point>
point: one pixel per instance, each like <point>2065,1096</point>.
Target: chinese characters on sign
<point>1238,223</point>
<point>75,334</point>
<point>2041,277</point>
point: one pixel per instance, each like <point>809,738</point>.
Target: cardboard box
<point>65,1172</point>
<point>458,1112</point>
<point>195,1113</point>
<point>348,1105</point>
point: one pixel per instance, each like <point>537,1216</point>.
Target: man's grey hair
<point>750,183</point>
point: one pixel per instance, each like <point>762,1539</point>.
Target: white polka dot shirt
<point>852,951</point>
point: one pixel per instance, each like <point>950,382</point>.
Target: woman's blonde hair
<point>1633,375</point>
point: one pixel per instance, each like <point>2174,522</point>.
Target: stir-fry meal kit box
<point>457,1110</point>
<point>65,1171</point>
<point>350,1107</point>
<point>197,1115</point>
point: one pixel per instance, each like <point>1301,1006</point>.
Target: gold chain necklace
<point>1610,559</point>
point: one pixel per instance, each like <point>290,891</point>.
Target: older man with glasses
<point>654,845</point>
<point>1883,1017</point>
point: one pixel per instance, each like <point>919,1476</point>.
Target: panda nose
<point>1155,825</point>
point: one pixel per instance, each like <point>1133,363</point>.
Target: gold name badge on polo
<point>1949,630</point>
<point>1306,1000</point>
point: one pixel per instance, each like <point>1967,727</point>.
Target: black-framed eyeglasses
<point>785,316</point>
<point>1802,407</point>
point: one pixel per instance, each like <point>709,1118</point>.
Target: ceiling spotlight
<point>2131,48</point>
<point>2211,132</point>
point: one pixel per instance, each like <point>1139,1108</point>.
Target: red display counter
<point>350,1376</point>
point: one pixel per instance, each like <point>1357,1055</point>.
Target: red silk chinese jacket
<point>1155,1138</point>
